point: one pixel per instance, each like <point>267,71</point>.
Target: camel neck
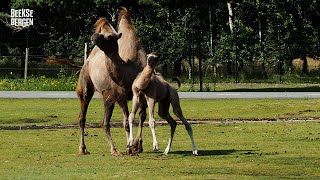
<point>144,78</point>
<point>116,69</point>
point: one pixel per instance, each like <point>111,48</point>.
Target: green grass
<point>65,111</point>
<point>42,83</point>
<point>279,150</point>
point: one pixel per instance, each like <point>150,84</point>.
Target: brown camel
<point>94,76</point>
<point>146,84</point>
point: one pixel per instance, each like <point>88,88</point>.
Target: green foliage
<point>273,32</point>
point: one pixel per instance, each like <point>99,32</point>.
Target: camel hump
<point>103,25</point>
<point>123,13</point>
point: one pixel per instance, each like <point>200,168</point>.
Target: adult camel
<point>94,76</point>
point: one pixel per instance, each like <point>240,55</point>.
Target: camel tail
<point>178,81</point>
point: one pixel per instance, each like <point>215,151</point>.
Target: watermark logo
<point>21,17</point>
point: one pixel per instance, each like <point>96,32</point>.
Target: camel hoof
<point>195,153</point>
<point>138,150</point>
<point>84,153</point>
<point>116,154</point>
<point>137,146</point>
<point>131,151</point>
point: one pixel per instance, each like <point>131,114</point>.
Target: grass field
<point>277,150</point>
<point>65,111</point>
<point>227,149</point>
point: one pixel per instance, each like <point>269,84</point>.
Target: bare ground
<point>119,124</point>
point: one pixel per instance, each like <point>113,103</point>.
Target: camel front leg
<point>152,124</point>
<point>137,145</point>
<point>135,106</point>
<point>108,108</point>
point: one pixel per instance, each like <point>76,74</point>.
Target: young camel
<point>156,89</point>
<point>94,76</point>
<point>147,85</point>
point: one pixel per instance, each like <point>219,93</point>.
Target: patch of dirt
<point>163,123</point>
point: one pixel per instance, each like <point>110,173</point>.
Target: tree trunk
<point>230,16</point>
<point>304,65</point>
<point>210,30</point>
<point>177,68</point>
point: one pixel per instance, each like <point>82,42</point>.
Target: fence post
<point>85,52</point>
<point>26,65</point>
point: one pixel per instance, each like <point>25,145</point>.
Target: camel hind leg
<point>124,106</point>
<point>164,113</point>
<point>174,99</point>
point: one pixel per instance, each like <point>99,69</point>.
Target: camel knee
<point>173,124</point>
<point>81,119</point>
<point>152,123</point>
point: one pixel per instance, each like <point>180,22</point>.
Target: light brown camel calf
<point>146,85</point>
<point>155,89</point>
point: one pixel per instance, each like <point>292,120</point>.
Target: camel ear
<point>119,35</point>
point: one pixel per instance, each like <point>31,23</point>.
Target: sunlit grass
<point>279,150</point>
<point>16,112</point>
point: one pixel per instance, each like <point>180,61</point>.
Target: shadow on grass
<point>214,152</point>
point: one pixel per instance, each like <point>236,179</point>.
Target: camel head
<point>103,26</point>
<point>152,59</point>
<point>107,43</point>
